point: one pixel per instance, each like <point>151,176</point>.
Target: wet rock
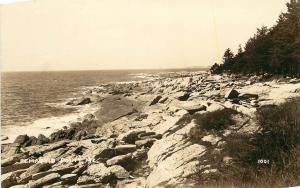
<point>49,179</point>
<point>231,94</point>
<point>69,179</point>
<point>21,139</point>
<point>42,139</point>
<point>32,140</point>
<point>155,100</point>
<point>119,160</point>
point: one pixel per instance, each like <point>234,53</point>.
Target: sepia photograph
<point>150,93</point>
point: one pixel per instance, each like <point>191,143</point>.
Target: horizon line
<point>133,69</point>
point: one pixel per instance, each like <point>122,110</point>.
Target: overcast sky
<point>127,34</point>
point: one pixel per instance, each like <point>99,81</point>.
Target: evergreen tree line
<point>274,50</point>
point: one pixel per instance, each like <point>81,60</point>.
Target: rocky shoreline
<point>137,137</point>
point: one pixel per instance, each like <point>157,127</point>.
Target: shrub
<point>215,122</point>
<point>279,136</point>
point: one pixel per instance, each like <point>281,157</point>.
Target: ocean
<point>36,100</point>
<point>29,96</point>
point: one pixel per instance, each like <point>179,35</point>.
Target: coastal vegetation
<point>274,50</point>
<point>269,157</point>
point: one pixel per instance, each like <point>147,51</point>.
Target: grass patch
<point>277,142</point>
<point>213,122</point>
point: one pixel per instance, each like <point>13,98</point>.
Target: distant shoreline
<point>93,70</point>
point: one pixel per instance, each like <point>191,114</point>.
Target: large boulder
<point>174,158</point>
<point>231,94</point>
<point>42,139</point>
<point>21,139</point>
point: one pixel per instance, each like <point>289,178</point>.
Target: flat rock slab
<point>49,179</point>
<point>113,108</point>
<point>69,178</point>
<point>124,149</point>
<point>131,136</point>
<point>195,108</point>
<point>16,166</point>
<point>118,160</point>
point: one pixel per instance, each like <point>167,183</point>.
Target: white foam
<point>46,126</point>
